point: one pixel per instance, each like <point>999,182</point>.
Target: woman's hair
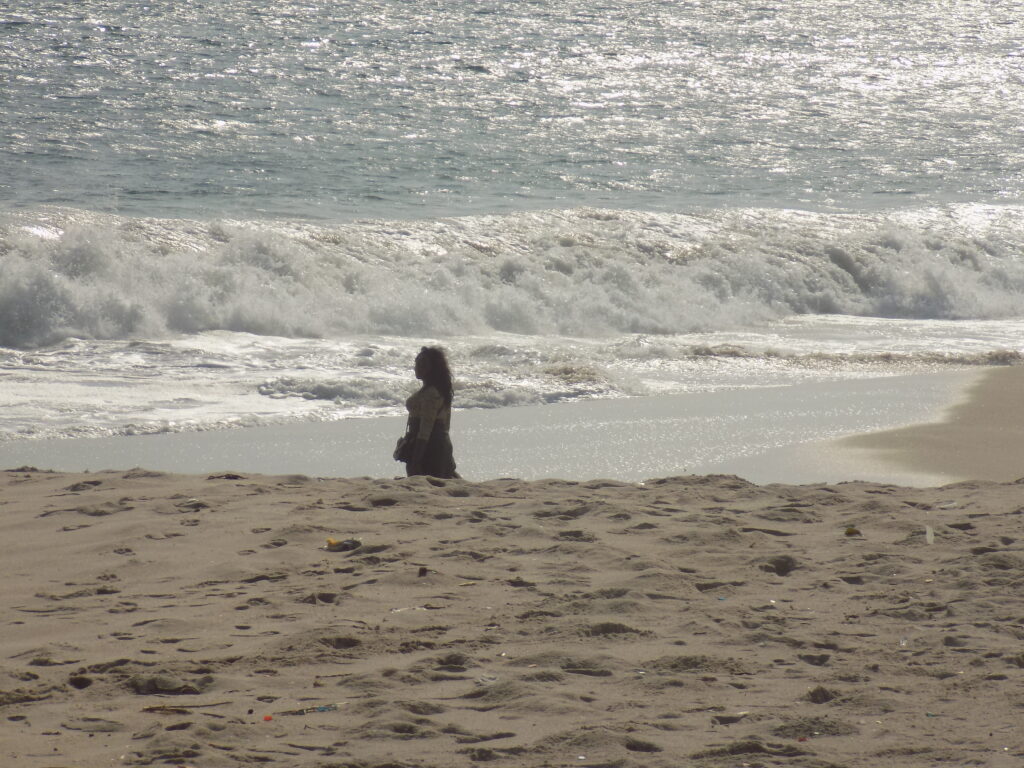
<point>437,373</point>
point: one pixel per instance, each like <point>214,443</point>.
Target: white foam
<point>582,272</point>
<point>129,326</point>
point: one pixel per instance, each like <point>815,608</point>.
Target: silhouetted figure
<point>426,447</point>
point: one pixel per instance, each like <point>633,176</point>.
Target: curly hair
<point>437,373</point>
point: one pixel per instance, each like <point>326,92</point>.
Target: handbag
<point>405,444</point>
<point>403,449</point>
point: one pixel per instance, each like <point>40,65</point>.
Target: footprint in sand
<point>103,510</point>
<point>80,682</point>
<point>341,643</point>
<point>93,725</point>
<point>820,695</point>
<point>147,685</point>
<point>582,536</point>
<point>610,629</point>
<point>639,745</point>
<point>84,485</point>
<point>782,565</point>
<point>807,727</point>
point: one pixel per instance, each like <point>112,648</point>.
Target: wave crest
<point>581,272</point>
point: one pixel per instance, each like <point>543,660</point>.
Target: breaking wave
<point>582,272</point>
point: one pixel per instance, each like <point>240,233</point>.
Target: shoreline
<point>764,434</point>
<point>980,436</point>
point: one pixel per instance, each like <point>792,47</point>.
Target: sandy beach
<point>235,619</point>
<point>725,301</point>
<point>154,619</point>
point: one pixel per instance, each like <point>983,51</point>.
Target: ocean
<point>220,213</point>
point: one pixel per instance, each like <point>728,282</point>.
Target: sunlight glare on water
<point>419,108</point>
<point>224,213</point>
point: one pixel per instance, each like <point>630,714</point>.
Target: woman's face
<point>421,366</point>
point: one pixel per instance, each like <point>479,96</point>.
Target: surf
<point>585,272</point>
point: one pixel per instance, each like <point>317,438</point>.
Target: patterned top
<point>428,406</point>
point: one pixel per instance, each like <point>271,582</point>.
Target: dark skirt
<point>438,458</point>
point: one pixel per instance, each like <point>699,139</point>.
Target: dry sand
<point>152,619</point>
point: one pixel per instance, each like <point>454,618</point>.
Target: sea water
<point>223,213</point>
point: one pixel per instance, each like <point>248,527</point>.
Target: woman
<point>428,449</point>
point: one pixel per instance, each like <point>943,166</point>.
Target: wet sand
<point>981,437</point>
<point>764,434</point>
